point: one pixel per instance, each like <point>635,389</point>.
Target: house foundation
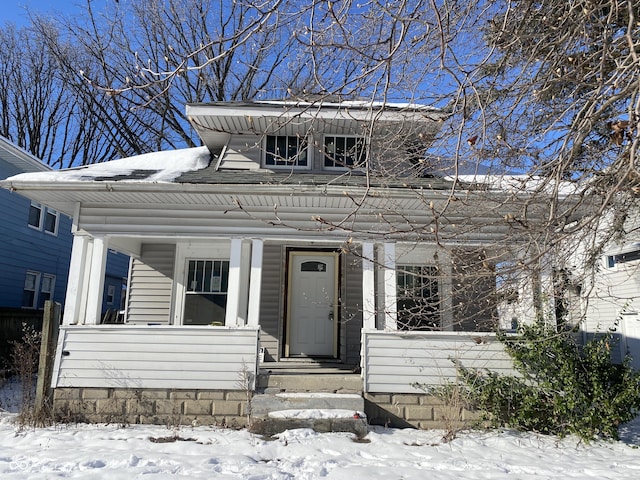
<point>151,406</point>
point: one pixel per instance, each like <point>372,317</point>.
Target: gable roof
<point>20,160</point>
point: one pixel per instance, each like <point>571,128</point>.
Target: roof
<point>19,159</point>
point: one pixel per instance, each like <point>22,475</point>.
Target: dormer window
<point>344,152</point>
<point>286,151</point>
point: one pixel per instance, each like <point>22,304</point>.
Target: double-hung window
<point>418,298</point>
<point>344,152</point>
<point>30,290</point>
<point>35,215</point>
<point>47,285</point>
<point>42,218</point>
<point>205,300</point>
<point>286,151</point>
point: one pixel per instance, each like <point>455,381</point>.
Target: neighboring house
<point>35,246</point>
<point>270,256</point>
<point>612,297</point>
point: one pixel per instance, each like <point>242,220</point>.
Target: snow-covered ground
<point>151,452</point>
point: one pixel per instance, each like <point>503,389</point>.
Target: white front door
<point>312,319</point>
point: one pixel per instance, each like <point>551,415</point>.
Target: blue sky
<point>16,10</point>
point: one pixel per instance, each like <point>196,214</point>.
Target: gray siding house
<point>280,253</point>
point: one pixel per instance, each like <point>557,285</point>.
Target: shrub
<point>563,388</point>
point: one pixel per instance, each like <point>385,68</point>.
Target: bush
<point>563,388</point>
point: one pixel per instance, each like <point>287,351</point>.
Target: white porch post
<point>235,280</point>
<point>75,283</point>
<point>390,287</point>
<point>96,281</point>
<point>368,286</point>
<point>255,282</point>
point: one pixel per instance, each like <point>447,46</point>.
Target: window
<point>42,218</point>
<point>35,215</point>
<point>285,151</point>
<point>613,260</point>
<point>206,293</point>
<point>111,294</point>
<point>51,221</point>
<point>29,293</point>
<point>46,289</point>
<point>418,302</point>
<point>344,152</point>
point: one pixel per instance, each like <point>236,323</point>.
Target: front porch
<point>213,375</point>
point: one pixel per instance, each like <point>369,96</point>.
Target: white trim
<point>255,282</point>
<point>263,153</point>
<point>368,286</point>
<point>390,287</point>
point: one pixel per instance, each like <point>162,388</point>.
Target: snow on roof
<point>516,183</point>
<point>154,167</point>
<point>351,104</point>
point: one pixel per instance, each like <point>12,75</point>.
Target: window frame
<point>302,152</point>
<point>419,271</point>
<point>40,207</point>
<point>50,291</point>
<point>222,290</point>
<point>34,290</point>
<point>56,216</point>
<point>361,154</point>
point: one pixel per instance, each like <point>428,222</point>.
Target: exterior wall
<point>352,309</point>
<point>271,301</point>
<point>24,248</point>
<point>151,283</point>
<point>151,406</point>
<point>136,357</point>
<point>405,362</point>
<point>243,152</point>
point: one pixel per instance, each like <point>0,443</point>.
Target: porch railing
<point>144,357</point>
<point>399,362</point>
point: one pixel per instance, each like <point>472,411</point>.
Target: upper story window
<point>35,215</point>
<point>613,260</point>
<point>51,221</point>
<point>42,218</point>
<point>286,151</point>
<point>344,152</point>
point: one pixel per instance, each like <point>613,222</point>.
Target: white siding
<point>271,299</point>
<point>243,152</point>
<point>393,362</point>
<point>207,358</point>
<point>149,298</point>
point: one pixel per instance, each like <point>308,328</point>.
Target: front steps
<point>324,399</point>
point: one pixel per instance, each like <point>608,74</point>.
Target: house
<point>611,297</point>
<point>304,247</point>
<point>35,250</point>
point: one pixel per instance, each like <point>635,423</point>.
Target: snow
<point>162,166</point>
<point>315,413</point>
<point>155,452</point>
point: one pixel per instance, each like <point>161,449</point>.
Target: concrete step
<point>266,403</point>
<point>276,382</point>
<point>270,426</point>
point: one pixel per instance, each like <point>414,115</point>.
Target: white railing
<point>400,362</point>
<point>168,357</point>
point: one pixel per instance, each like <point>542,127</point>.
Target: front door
<point>312,318</point>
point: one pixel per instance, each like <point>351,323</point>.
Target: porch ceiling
<point>279,211</point>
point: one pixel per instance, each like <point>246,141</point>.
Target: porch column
<point>390,287</point>
<point>73,303</point>
<point>96,281</point>
<point>368,286</point>
<point>235,280</point>
<point>255,282</point>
